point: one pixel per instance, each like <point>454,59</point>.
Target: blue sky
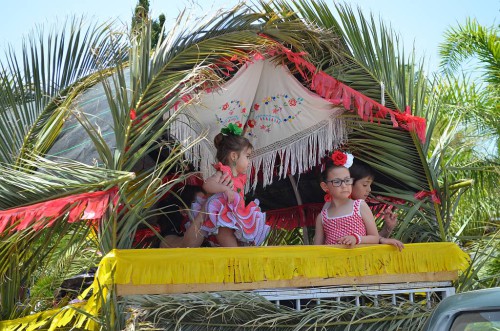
<point>421,22</point>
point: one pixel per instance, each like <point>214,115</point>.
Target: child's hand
<point>230,195</point>
<point>226,180</point>
<point>390,221</point>
<point>394,242</point>
<point>347,240</point>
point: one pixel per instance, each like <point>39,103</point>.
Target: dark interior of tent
<point>291,202</point>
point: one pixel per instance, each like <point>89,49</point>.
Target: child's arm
<point>319,235</point>
<point>390,222</point>
<point>372,236</point>
<point>214,184</point>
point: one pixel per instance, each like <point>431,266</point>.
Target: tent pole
<point>305,233</point>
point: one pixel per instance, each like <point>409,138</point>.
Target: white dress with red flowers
<point>248,222</point>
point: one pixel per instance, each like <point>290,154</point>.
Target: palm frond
<point>37,248</point>
<point>71,258</point>
<point>472,40</point>
<point>389,151</point>
<point>231,310</point>
<point>370,59</point>
<point>53,179</point>
<point>38,87</point>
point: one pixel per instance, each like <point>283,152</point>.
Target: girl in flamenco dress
<point>224,213</point>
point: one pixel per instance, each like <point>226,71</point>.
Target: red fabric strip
<point>291,217</point>
<point>92,205</point>
<point>336,92</point>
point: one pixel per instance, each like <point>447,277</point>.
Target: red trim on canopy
<point>340,94</point>
<point>85,206</point>
<point>328,88</point>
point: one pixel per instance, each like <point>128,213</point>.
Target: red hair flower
<point>342,159</point>
<point>339,158</point>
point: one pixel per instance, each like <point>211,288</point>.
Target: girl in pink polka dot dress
<point>343,221</point>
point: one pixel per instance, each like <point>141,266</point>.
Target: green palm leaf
<point>37,89</point>
<point>472,40</point>
<point>52,180</point>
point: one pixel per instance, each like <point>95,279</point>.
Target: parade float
<point>108,145</point>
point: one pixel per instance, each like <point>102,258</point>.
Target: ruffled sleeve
<point>223,168</point>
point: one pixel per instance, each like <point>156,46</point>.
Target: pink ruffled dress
<point>248,222</point>
<point>338,227</point>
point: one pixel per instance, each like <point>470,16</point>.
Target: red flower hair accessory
<point>342,159</point>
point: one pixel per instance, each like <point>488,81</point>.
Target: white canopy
<point>280,117</point>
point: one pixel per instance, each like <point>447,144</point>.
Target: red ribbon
<point>433,194</point>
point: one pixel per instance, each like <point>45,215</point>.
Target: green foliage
<point>33,248</point>
<point>475,41</point>
<point>157,33</point>
<point>363,53</point>
<point>242,311</point>
<point>140,17</point>
<point>52,179</point>
<point>72,258</point>
<point>472,40</point>
<point>39,85</point>
<point>463,121</point>
<point>141,20</point>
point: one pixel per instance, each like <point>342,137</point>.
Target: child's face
<point>243,161</point>
<point>338,192</point>
<point>362,188</point>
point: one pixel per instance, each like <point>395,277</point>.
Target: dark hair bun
<point>218,140</point>
<point>226,144</point>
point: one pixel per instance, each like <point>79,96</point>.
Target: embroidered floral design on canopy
<point>233,111</point>
<point>279,110</point>
<point>277,114</point>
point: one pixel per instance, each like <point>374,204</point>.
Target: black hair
<point>329,166</point>
<point>227,143</point>
<point>188,195</point>
<point>171,207</point>
<point>361,170</point>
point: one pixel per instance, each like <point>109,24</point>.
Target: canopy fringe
<point>294,156</point>
<point>299,153</point>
